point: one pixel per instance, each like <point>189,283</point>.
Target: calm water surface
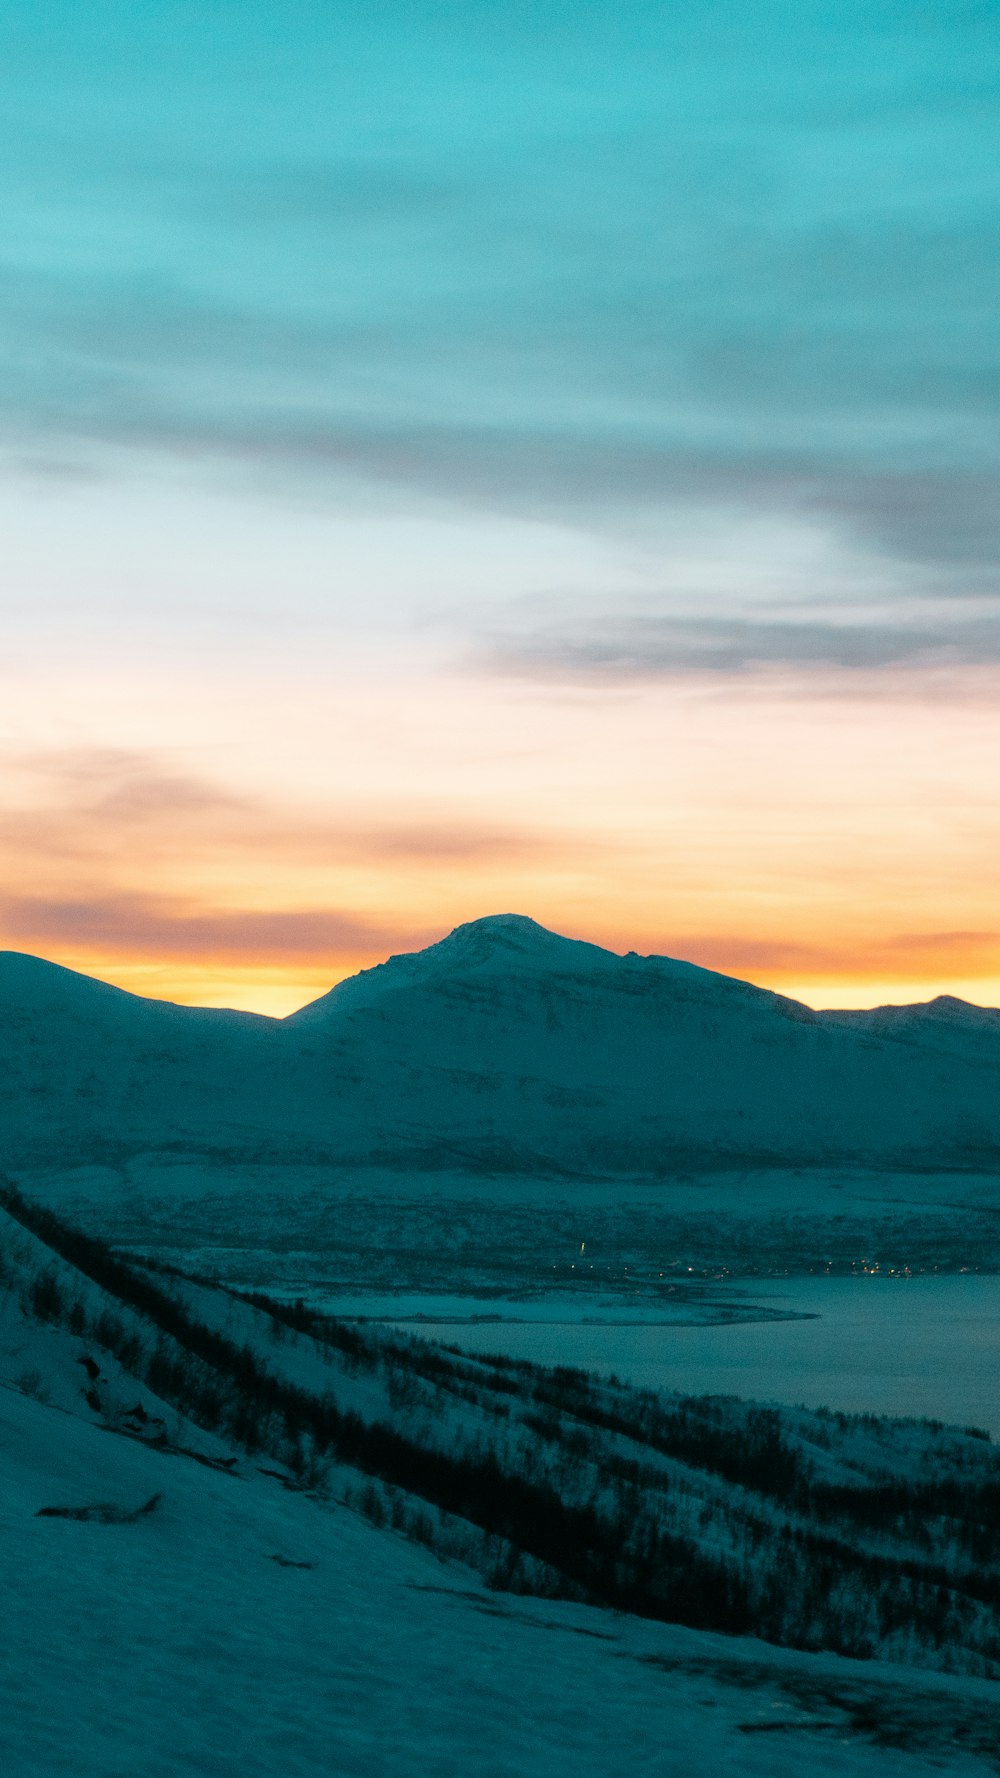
<point>926,1346</point>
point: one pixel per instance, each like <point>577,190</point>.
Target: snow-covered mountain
<point>504,1049</point>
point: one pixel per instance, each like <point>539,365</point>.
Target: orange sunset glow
<point>817,838</point>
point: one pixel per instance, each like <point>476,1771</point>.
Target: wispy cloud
<point>620,648</point>
<point>118,783</point>
<point>150,928</point>
<point>86,831</point>
<point>134,928</point>
<point>716,261</point>
<point>942,519</point>
<point>904,957</point>
<point>83,803</point>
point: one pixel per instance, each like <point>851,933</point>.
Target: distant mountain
<point>503,1049</point>
<point>944,1023</point>
<point>89,1071</point>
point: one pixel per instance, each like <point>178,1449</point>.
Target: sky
<point>469,457</point>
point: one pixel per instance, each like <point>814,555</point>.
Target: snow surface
<point>190,1644</point>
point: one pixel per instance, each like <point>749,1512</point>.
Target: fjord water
<point>925,1346</point>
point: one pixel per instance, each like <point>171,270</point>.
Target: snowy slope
<point>179,1647</point>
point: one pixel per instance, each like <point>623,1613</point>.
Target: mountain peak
<point>502,932</point>
<point>495,943</point>
<point>505,927</point>
<point>509,942</point>
<point>952,1006</point>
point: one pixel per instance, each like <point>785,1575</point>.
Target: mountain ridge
<point>504,1048</point>
<point>515,939</point>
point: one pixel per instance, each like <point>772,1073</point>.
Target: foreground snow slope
<point>191,1644</point>
<point>172,1610</point>
<point>239,1630</point>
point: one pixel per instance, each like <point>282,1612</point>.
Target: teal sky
<point>535,258</point>
<point>578,346</point>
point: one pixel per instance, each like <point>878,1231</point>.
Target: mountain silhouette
<point>504,1048</point>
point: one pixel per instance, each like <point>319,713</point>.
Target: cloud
<point>96,826</point>
<point>92,804</point>
<point>134,928</point>
<point>350,408</point>
<point>619,649</point>
<point>84,804</point>
<point>680,271</point>
<point>122,784</point>
<point>904,957</point>
<point>131,927</point>
<point>719,263</point>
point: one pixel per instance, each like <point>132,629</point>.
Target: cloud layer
<point>618,648</point>
<point>695,258</point>
<point>157,929</point>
